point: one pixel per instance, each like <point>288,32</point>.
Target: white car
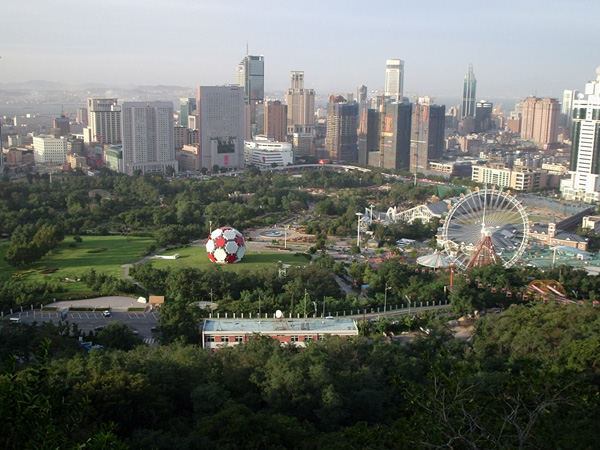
<point>106,313</point>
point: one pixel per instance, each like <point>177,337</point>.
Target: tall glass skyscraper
<point>468,104</point>
<point>251,75</point>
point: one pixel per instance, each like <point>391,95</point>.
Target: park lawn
<point>195,256</point>
<point>73,262</point>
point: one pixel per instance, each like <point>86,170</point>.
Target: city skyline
<point>517,48</point>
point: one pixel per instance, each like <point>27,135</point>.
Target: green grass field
<point>108,254</point>
<point>196,257</point>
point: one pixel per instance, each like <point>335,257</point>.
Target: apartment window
<point>294,338</point>
<point>308,338</point>
<point>225,339</point>
<point>239,339</point>
<point>210,339</point>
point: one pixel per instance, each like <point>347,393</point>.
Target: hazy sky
<point>517,48</point>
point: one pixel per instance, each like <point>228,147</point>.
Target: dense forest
<point>528,379</point>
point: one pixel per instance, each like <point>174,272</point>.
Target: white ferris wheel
<point>485,227</point>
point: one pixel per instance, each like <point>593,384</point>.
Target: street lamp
<point>359,215</point>
<point>385,298</point>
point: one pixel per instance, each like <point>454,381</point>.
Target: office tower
<point>187,108</point>
<point>49,149</point>
<point>301,106</point>
<point>369,136</point>
<point>483,116</point>
<point>566,109</point>
<point>62,123</point>
<point>468,104</point>
<point>395,136</point>
<point>540,118</point>
<point>394,79</point>
<point>148,142</point>
<point>222,126</point>
<point>251,75</point>
<point>427,134</point>
<point>341,140</point>
<point>584,184</point>
<point>82,116</point>
<point>275,120</point>
<point>361,95</point>
<point>104,121</point>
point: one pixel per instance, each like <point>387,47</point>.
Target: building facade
<point>341,140</point>
<point>251,76</point>
<point>394,79</point>
<point>540,120</point>
<point>222,126</point>
<point>427,134</point>
<point>148,137</point>
<point>300,106</point>
<point>394,149</point>
<point>584,183</point>
<point>49,149</point>
<point>275,120</point>
<point>187,108</point>
<point>469,91</point>
<point>104,121</point>
<point>265,153</point>
<point>218,333</point>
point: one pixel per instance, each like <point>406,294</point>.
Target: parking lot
<point>144,322</point>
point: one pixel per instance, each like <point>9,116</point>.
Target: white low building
<point>49,149</point>
<point>265,153</point>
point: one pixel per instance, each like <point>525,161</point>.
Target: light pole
<point>408,298</point>
<point>359,215</point>
<point>285,236</point>
<point>385,297</point>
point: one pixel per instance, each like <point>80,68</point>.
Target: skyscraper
<point>427,134</point>
<point>341,140</point>
<point>187,108</point>
<point>251,75</point>
<point>540,118</point>
<point>584,184</point>
<point>483,116</point>
<point>104,121</point>
<point>395,136</point>
<point>566,109</point>
<point>275,120</point>
<point>222,126</point>
<point>394,79</point>
<point>301,106</point>
<point>369,136</point>
<point>148,142</point>
<point>63,124</point>
<point>468,104</point>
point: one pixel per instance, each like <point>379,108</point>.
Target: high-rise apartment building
<point>222,126</point>
<point>104,121</point>
<point>395,136</point>
<point>275,120</point>
<point>584,184</point>
<point>427,134</point>
<point>361,95</point>
<point>341,140</point>
<point>469,88</point>
<point>148,137</point>
<point>394,79</point>
<point>251,75</point>
<point>301,106</point>
<point>187,108</point>
<point>540,118</point>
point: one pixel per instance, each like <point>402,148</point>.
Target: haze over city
<point>517,48</point>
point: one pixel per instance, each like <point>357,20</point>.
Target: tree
<point>117,335</point>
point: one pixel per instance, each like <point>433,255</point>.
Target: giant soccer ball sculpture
<point>225,245</point>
